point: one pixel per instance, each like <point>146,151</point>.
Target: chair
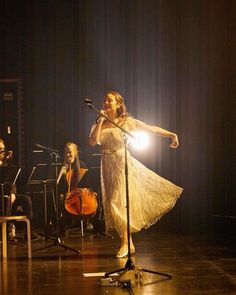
<point>3,221</point>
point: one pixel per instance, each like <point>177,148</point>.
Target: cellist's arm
<point>81,170</point>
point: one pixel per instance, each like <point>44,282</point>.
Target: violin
<point>7,156</point>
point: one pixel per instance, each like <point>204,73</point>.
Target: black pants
<point>7,206</point>
<point>23,206</point>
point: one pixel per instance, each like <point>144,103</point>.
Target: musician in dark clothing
<point>11,203</point>
<point>9,196</point>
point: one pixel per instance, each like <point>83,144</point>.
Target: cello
<point>80,201</point>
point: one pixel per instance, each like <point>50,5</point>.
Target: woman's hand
<point>101,118</point>
<point>174,141</point>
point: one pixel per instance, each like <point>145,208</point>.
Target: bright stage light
<point>140,141</point>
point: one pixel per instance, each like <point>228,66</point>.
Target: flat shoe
<point>122,254</point>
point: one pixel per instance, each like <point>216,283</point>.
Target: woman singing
<point>150,196</point>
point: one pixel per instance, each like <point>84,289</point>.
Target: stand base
<point>101,234</point>
<point>36,237</point>
<point>86,233</point>
<point>138,272</point>
<point>57,242</point>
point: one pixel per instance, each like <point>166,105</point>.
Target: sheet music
<point>8,177</point>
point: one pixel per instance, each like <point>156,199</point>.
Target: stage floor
<point>197,264</point>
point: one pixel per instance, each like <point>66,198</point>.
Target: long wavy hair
<point>75,165</point>
<point>121,111</point>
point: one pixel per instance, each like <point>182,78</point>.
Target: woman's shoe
<point>123,251</point>
<point>122,254</point>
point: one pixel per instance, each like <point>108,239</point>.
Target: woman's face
<point>70,153</point>
<point>110,103</point>
<point>2,150</point>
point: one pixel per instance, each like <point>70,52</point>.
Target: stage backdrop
<point>171,60</point>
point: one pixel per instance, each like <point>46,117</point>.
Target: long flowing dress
<point>150,196</point>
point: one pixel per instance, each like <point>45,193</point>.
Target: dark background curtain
<point>173,61</point>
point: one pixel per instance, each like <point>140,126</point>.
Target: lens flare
<point>140,141</point>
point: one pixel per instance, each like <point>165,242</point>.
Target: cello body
<point>81,201</point>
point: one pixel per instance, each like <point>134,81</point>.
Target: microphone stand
<point>56,238</point>
<point>129,266</point>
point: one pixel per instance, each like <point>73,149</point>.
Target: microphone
<point>88,100</point>
<point>39,146</point>
<point>46,148</point>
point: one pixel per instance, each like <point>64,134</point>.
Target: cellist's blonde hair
<point>73,145</point>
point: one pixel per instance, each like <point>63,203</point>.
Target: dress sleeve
<point>135,124</point>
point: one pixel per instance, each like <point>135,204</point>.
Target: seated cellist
<point>73,171</point>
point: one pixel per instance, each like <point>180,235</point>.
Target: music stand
<point>129,266</point>
<point>54,169</point>
<point>8,178</point>
<point>43,175</point>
